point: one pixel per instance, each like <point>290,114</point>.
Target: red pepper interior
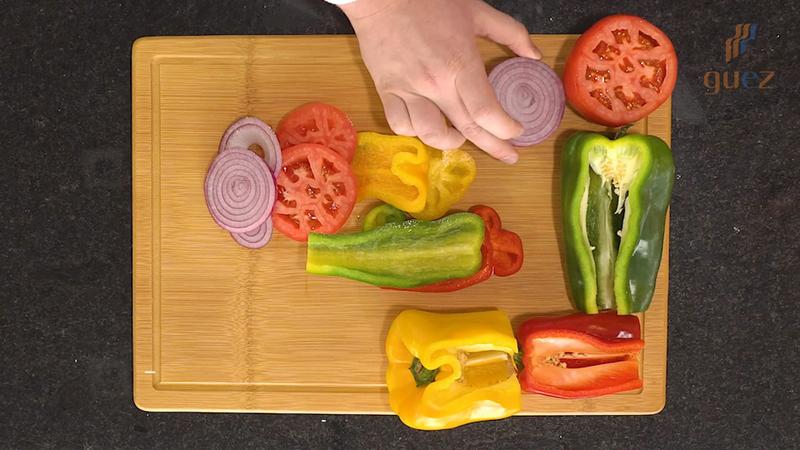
<point>574,364</point>
<point>571,360</point>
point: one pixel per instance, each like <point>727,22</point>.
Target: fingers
<point>505,30</point>
<point>461,119</point>
<point>481,103</point>
<point>396,114</point>
<point>429,124</point>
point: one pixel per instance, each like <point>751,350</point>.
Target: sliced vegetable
<point>456,284</point>
<point>504,261</point>
<point>316,192</point>
<point>256,238</point>
<point>614,199</point>
<point>319,123</point>
<point>393,169</point>
<point>405,254</point>
<point>580,355</point>
<point>446,370</point>
<point>240,190</point>
<point>450,173</point>
<point>531,93</point>
<point>507,253</point>
<point>381,215</point>
<point>620,70</point>
<point>248,132</point>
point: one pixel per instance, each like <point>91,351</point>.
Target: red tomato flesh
<point>620,70</point>
<point>319,123</point>
<point>316,192</point>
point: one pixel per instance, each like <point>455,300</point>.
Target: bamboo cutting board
<point>221,328</point>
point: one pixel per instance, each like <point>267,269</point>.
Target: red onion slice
<point>256,238</point>
<point>240,190</point>
<point>248,131</point>
<point>531,93</point>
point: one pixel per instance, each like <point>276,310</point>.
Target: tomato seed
<point>339,189</point>
<point>646,42</point>
<point>634,102</point>
<point>311,219</point>
<point>281,197</point>
<point>311,191</point>
<point>328,168</point>
<point>626,65</point>
<point>606,52</point>
<point>331,206</point>
<point>621,36</point>
<point>657,80</point>
<point>597,75</point>
<point>602,96</point>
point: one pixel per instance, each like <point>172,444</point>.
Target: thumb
<point>505,30</point>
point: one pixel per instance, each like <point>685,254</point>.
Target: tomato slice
<point>620,70</point>
<point>507,253</point>
<point>571,364</point>
<point>316,192</point>
<point>319,123</point>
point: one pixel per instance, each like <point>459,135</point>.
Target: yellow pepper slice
<point>470,362</point>
<point>393,169</point>
<point>449,175</point>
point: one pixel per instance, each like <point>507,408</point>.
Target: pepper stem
<point>518,361</point>
<point>622,131</point>
<point>422,375</point>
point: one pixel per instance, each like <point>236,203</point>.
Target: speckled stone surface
<point>65,258</point>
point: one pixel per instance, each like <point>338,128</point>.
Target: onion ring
<point>256,238</point>
<point>248,131</point>
<point>532,94</point>
<point>240,190</point>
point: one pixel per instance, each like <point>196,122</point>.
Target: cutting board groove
<point>221,328</point>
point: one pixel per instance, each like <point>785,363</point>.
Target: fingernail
<point>510,159</point>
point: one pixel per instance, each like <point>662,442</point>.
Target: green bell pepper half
<point>614,199</point>
<point>402,255</point>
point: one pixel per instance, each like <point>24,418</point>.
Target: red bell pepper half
<point>581,355</point>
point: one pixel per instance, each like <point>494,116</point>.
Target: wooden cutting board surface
<point>221,328</point>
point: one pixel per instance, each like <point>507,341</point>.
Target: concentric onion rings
<point>240,190</point>
<point>531,93</point>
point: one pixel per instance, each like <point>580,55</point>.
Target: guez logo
<point>737,45</point>
<point>733,80</point>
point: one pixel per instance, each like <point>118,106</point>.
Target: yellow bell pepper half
<point>449,175</point>
<point>393,169</point>
<point>446,370</point>
<point>407,174</point>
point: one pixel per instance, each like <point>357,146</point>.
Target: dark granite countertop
<point>65,260</point>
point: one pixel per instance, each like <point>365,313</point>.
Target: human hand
<point>424,60</point>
